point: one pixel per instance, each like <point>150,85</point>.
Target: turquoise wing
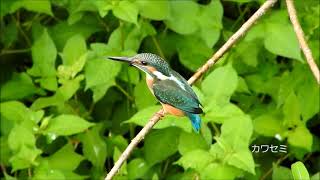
<point>169,92</point>
<point>186,85</point>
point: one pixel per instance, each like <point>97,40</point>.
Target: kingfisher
<point>169,87</point>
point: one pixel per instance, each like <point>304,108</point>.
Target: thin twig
<point>124,92</point>
<point>279,161</point>
<point>303,43</point>
<point>241,32</point>
<point>154,119</point>
<point>155,41</point>
<point>14,51</point>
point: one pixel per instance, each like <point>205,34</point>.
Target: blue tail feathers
<point>195,121</point>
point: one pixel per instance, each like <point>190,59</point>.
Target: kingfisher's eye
<point>144,63</point>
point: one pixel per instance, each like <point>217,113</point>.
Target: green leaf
<point>257,32</point>
<point>65,125</point>
<point>253,47</point>
<point>20,136</point>
<point>94,147</point>
<point>77,9</point>
<point>126,39</point>
<point>221,112</point>
<point>100,90</point>
<point>43,171</point>
<point>232,144</point>
<point>280,172</point>
<point>100,71</point>
<point>291,111</point>
<point>237,132</point>
<point>242,86</point>
<point>183,22</point>
<point>267,125</point>
<point>315,176</point>
<point>5,152</point>
<point>219,171</point>
<point>300,137</point>
<point>100,75</point>
<point>49,83</point>
<point>69,72</point>
<point>277,31</point>
<point>65,159</point>
<point>43,56</point>
<point>143,96</point>
<point>64,93</point>
<point>137,168</point>
<point>197,159</point>
<point>220,84</point>
<point>130,75</point>
<point>75,47</point>
<point>142,117</point>
<point>210,22</point>
<point>62,31</point>
<point>23,144</point>
<point>43,6</point>
<point>136,34</point>
<point>161,144</point>
<point>277,38</point>
<point>241,1</point>
<point>25,157</point>
<point>15,111</point>
<point>103,7</point>
<point>258,84</point>
<point>299,171</point>
<point>192,56</point>
<point>191,141</point>
<point>308,97</point>
<point>9,34</point>
<point>126,11</point>
<point>155,10</point>
<point>243,160</point>
<point>49,167</point>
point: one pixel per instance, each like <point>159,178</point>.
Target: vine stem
<point>158,115</point>
<point>302,41</point>
<point>279,161</point>
<point>14,51</point>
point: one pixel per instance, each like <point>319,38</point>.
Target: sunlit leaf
<point>220,84</point>
<point>299,171</point>
<point>64,125</point>
<point>161,144</point>
<point>197,159</point>
<point>156,10</point>
<point>183,22</point>
<point>74,48</point>
<point>126,10</point>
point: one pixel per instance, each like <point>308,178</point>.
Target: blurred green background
<point>67,113</point>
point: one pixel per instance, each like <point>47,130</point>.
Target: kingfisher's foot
<point>160,114</point>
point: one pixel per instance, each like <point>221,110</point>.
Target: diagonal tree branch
<point>303,43</point>
<point>154,119</point>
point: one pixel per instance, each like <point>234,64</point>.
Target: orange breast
<point>172,110</point>
<point>149,81</point>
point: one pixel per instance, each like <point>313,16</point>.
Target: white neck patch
<point>161,76</point>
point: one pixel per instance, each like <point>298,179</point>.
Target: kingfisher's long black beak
<point>123,59</point>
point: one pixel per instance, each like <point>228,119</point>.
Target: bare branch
<point>236,36</point>
<point>303,43</point>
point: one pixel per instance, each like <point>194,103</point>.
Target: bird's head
<point>150,63</point>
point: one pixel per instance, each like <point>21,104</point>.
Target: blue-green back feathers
<point>169,92</point>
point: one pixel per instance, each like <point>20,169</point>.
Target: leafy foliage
<point>67,112</point>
